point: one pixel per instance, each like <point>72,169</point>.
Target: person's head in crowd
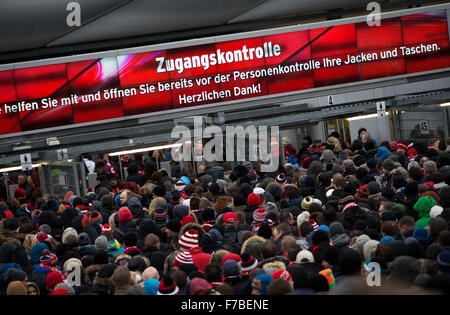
<point>406,223</point>
<point>415,174</point>
<point>260,284</point>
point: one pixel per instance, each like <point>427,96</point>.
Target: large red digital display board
<point>113,87</point>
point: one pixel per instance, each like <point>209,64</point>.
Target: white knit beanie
<point>303,217</point>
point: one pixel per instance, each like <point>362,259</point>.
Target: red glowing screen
<point>72,93</point>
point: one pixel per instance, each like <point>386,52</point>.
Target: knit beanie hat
<point>180,211</point>
<point>324,227</point>
<point>59,291</point>
<point>13,274</point>
<point>359,243</point>
<point>183,258</point>
<point>303,217</point>
<point>189,239</point>
<point>84,239</point>
<point>253,200</point>
<point>101,243</point>
<point>231,256</point>
<point>70,290</point>
<point>258,190</point>
<point>125,215</point>
<point>95,217</point>
<point>199,286</point>
<point>187,219</point>
<point>337,168</point>
<point>114,248</point>
<point>261,282</point>
<point>422,235</point>
<point>167,286</point>
<point>272,207</point>
<point>43,237</point>
<point>387,240</point>
<point>70,236</point>
<point>281,274</point>
<point>369,248</point>
<point>259,215</point>
<point>281,179</point>
<point>48,258</point>
<point>151,286</point>
<point>16,288</point>
<point>435,211</point>
<point>106,228</point>
<point>304,256</point>
<point>443,261</point>
<point>340,240</point>
<point>328,156</point>
<point>231,269</point>
<point>36,252</point>
<point>160,213</point>
<point>336,228</point>
<point>412,154</point>
<point>230,218</point>
<point>179,185</point>
<point>248,263</point>
<point>52,279</point>
<point>306,202</point>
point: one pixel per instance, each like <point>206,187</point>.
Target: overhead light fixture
<point>15,168</point>
<point>364,117</point>
<point>161,147</point>
<point>445,104</point>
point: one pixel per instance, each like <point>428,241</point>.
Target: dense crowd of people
<point>335,218</point>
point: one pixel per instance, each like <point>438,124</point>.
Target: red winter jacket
<point>200,258</point>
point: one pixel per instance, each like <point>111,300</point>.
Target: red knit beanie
<point>125,215</point>
<point>253,200</point>
<point>187,219</point>
<point>52,279</point>
<point>231,256</point>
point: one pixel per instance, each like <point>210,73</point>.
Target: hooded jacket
<point>253,246</point>
<point>422,207</point>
